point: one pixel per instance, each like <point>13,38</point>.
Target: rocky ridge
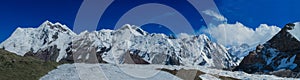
<point>279,56</point>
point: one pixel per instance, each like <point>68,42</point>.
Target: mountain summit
<point>127,45</point>
<point>280,53</point>
<point>40,40</point>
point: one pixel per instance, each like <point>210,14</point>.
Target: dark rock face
<point>190,74</point>
<point>286,73</point>
<point>59,27</point>
<point>84,53</point>
<point>284,41</point>
<point>282,52</point>
<point>50,54</point>
<point>251,63</point>
<point>172,60</point>
<point>69,58</point>
<point>134,58</point>
<point>100,54</point>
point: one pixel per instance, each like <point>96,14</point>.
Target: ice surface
<point>81,71</point>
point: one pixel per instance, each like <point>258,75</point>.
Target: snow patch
<point>296,31</point>
<point>87,56</point>
<point>285,63</point>
<point>273,53</point>
<point>208,77</point>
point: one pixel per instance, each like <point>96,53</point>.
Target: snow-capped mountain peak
<point>40,40</point>
<point>133,29</point>
<point>129,44</point>
<point>280,52</point>
<point>56,26</point>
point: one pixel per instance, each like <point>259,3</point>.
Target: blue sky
<point>252,13</point>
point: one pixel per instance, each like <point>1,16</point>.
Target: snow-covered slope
<point>296,31</point>
<point>80,71</point>
<point>129,44</point>
<point>39,39</point>
<point>239,52</point>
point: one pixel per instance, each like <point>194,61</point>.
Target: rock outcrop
<point>282,52</point>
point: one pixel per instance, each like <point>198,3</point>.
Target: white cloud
<point>216,15</point>
<point>237,34</point>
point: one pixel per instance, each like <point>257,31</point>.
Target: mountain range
<point>132,45</point>
<point>129,44</point>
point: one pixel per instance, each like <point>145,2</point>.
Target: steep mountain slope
<point>47,41</point>
<point>129,45</point>
<point>279,54</point>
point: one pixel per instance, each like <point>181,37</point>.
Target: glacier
<point>79,71</point>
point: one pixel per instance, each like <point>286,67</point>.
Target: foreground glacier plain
<point>83,71</point>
